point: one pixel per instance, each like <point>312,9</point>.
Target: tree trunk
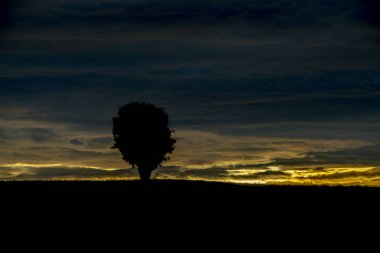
<point>145,173</point>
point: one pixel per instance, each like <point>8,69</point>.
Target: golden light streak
<point>236,159</point>
<point>57,165</point>
<point>327,176</point>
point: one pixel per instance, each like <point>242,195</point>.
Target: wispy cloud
<point>39,153</point>
<point>248,85</point>
<point>62,172</point>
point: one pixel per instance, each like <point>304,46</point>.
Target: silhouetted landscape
<point>180,195</point>
<point>188,212</point>
<point>256,93</point>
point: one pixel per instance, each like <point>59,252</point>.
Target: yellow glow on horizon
<point>329,176</point>
<point>199,155</point>
<point>52,165</point>
<point>271,175</point>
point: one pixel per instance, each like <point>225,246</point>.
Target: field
<point>186,194</point>
<point>162,210</point>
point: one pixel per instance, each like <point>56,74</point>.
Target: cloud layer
<point>250,84</point>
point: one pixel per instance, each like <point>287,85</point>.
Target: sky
<point>258,92</point>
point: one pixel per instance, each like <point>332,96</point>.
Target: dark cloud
<point>369,11</point>
<point>37,134</point>
<point>102,142</point>
<point>212,173</point>
<point>3,13</point>
<point>69,173</point>
<point>367,174</point>
<point>285,69</point>
<point>3,135</point>
<point>369,156</point>
<point>223,173</point>
<point>280,13</point>
<point>363,156</point>
<point>319,169</point>
<point>5,9</point>
<point>271,173</point>
<point>76,142</point>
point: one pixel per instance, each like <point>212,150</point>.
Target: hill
<point>190,194</point>
<point>158,209</point>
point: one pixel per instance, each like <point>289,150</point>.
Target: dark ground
<point>186,195</point>
<point>189,213</point>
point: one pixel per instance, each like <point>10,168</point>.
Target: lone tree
<point>142,135</point>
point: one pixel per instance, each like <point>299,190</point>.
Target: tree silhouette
<point>142,135</point>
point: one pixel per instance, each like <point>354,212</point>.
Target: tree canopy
<point>142,135</point>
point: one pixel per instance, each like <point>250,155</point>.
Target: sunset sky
<point>258,91</point>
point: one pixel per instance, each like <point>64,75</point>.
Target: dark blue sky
<point>256,90</point>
